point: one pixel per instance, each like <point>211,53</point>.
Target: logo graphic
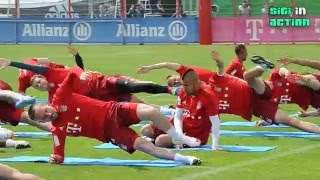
<point>82,31</point>
<point>61,11</point>
<point>63,108</point>
<point>198,105</point>
<point>177,30</point>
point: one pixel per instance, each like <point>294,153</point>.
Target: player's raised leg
<point>252,76</point>
<point>282,117</point>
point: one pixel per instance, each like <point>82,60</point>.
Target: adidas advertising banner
<point>132,30</point>
<point>80,8</point>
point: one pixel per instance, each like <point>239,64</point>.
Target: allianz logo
<point>61,11</point>
<point>177,30</point>
<point>80,30</point>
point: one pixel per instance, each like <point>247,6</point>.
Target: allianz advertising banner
<point>135,30</point>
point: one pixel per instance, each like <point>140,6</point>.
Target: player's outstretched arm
<point>59,138</point>
<point>164,65</point>
<point>215,131</point>
<point>34,68</point>
<point>220,64</point>
<point>177,120</point>
<point>77,56</point>
<point>302,62</point>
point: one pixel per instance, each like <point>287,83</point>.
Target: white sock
<point>10,143</point>
<point>263,67</point>
<point>190,141</point>
<point>165,110</point>
<point>174,134</point>
<point>181,158</point>
<point>5,134</point>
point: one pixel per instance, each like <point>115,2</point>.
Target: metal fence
<point>144,8</point>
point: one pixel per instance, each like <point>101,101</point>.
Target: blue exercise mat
<point>103,161</point>
<point>32,134</point>
<point>42,100</point>
<point>268,134</point>
<point>252,124</point>
<point>230,148</point>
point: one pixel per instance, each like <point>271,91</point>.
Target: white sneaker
<point>22,144</point>
<point>194,161</point>
<point>192,142</point>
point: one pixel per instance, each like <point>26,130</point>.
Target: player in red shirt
<point>7,172</point>
<point>196,112</point>
<point>286,91</point>
<point>10,104</point>
<point>227,88</point>
<point>236,67</point>
<point>175,80</point>
<point>102,87</point>
<point>310,80</point>
<point>267,90</point>
<point>256,103</point>
<point>25,75</point>
<point>77,115</point>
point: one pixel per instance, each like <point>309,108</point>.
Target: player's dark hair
<point>169,76</point>
<point>35,76</point>
<point>31,112</point>
<point>238,49</point>
<point>187,72</point>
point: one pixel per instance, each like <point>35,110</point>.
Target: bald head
<point>191,82</point>
<point>190,75</point>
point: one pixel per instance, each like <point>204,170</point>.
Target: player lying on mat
<point>249,103</point>
<point>235,68</point>
<point>279,90</point>
<point>100,86</point>
<point>310,80</point>
<point>77,115</point>
<point>11,107</point>
<point>25,75</point>
<point>226,86</point>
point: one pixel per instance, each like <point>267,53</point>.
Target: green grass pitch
<point>295,158</point>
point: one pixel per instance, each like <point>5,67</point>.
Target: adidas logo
<point>60,11</point>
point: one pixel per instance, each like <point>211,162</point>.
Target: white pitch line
<point>128,53</point>
<point>217,170</point>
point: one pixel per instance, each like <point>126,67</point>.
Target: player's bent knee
<point>245,76</point>
<point>147,131</point>
<point>164,141</point>
<point>143,145</point>
<point>282,117</point>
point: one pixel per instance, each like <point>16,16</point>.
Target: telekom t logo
<point>317,26</point>
<point>254,27</point>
